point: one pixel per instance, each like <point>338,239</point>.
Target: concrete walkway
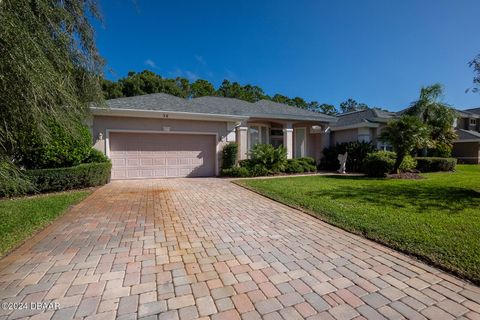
<point>190,248</point>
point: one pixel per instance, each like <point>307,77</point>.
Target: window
<point>257,134</point>
<point>300,142</point>
<point>473,122</point>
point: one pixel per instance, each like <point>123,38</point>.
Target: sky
<point>379,52</point>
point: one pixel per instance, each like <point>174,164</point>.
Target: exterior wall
<point>103,123</point>
<point>467,152</point>
<point>344,136</point>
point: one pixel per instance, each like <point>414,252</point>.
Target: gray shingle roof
<point>475,111</point>
<point>467,134</point>
<point>362,116</point>
<point>216,105</point>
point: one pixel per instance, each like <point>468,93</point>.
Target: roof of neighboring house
<point>216,106</point>
<point>475,111</point>
<point>470,113</point>
<point>362,116</point>
<point>468,135</point>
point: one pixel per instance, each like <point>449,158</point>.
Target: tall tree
<point>328,109</point>
<point>475,64</point>
<point>111,89</point>
<point>300,103</point>
<point>437,116</point>
<point>405,135</point>
<point>351,105</point>
<point>49,67</point>
<point>201,88</point>
<point>282,99</point>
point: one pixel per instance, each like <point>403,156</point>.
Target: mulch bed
<point>405,175</point>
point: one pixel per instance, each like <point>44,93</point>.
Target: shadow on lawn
<point>422,197</point>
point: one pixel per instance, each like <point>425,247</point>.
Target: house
<point>363,125</point>
<point>160,135</point>
<point>467,147</point>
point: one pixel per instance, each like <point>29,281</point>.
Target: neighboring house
<point>467,147</point>
<point>364,125</point>
<point>159,135</point>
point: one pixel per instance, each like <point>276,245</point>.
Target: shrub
<point>259,170</point>
<point>432,164</point>
<point>95,156</point>
<point>64,149</point>
<point>81,176</point>
<point>12,180</point>
<point>229,155</point>
<point>409,163</point>
<point>294,166</point>
<point>272,159</point>
<point>237,172</point>
<point>378,164</point>
<point>357,152</point>
<point>308,164</point>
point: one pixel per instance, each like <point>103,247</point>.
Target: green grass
<point>436,218</point>
<point>22,217</point>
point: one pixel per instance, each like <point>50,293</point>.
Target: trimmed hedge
<point>434,164</point>
<point>59,179</point>
<point>229,155</point>
<point>380,163</point>
<point>236,172</point>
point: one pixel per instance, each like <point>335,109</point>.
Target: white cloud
<point>191,75</point>
<point>230,75</point>
<point>200,60</point>
<point>151,63</point>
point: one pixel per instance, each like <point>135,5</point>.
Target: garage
<point>161,155</point>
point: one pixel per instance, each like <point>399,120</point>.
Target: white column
<point>288,139</point>
<point>241,138</point>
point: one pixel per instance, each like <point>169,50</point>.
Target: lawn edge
<point>48,224</point>
<point>418,258</point>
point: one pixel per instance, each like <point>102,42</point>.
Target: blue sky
<point>374,51</point>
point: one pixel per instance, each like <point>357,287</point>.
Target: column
<point>288,139</point>
<point>241,138</point>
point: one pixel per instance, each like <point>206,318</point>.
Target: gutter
<point>164,114</point>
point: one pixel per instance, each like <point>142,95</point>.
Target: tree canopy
<point>146,82</point>
<point>49,68</point>
<point>437,116</point>
<point>475,65</point>
<point>405,134</point>
<point>351,105</point>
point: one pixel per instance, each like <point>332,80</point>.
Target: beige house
<point>159,135</point>
<point>364,125</point>
<point>467,147</point>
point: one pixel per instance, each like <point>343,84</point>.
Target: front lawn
<point>436,218</point>
<point>20,218</point>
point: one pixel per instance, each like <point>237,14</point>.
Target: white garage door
<point>152,155</point>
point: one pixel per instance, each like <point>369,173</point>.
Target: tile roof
<point>468,135</point>
<point>362,116</point>
<point>216,105</point>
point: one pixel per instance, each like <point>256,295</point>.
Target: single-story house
<point>467,147</point>
<point>160,135</point>
<point>363,125</point>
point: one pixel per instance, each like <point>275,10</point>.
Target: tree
<point>328,109</point>
<point>112,90</point>
<point>283,99</point>
<point>405,134</point>
<point>252,93</point>
<point>202,88</point>
<point>300,103</point>
<point>437,116</point>
<point>351,105</point>
<point>475,64</point>
<point>50,68</point>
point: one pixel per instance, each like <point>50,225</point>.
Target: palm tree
<point>436,115</point>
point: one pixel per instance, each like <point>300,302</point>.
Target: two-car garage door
<point>160,155</point>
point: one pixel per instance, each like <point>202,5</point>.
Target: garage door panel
<point>145,155</point>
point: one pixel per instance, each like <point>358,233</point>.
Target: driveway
<point>189,248</point>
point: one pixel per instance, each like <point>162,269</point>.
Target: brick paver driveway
<point>188,248</point>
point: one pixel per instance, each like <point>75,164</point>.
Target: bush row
<point>434,164</point>
<point>81,176</point>
<point>265,160</point>
<point>380,163</point>
<point>14,182</point>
